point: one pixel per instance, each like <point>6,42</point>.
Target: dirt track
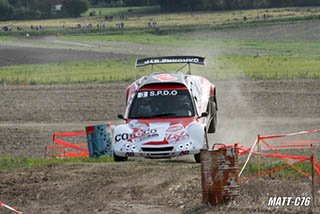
<point>21,55</point>
<point>29,116</point>
<point>246,108</point>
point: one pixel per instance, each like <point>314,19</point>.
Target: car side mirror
<point>120,116</point>
<point>204,114</point>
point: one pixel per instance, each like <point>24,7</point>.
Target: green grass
<point>284,174</point>
<point>17,162</point>
<point>200,41</point>
<point>281,59</point>
<point>227,66</point>
<point>123,10</point>
<point>7,38</point>
<point>251,169</point>
<point>241,66</point>
<point>270,66</point>
<point>134,38</point>
<point>301,47</point>
<point>172,22</point>
<point>70,72</point>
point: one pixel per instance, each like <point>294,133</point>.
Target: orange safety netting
<point>285,158</point>
<point>68,149</point>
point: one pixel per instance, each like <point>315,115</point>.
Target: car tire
<point>213,115</point>
<point>206,146</point>
<point>117,158</point>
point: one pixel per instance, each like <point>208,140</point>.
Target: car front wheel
<point>213,115</point>
<point>117,158</point>
<point>205,146</point>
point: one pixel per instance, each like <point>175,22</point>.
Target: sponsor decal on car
<point>134,124</point>
<point>171,60</point>
<point>176,133</point>
<point>175,128</point>
<point>157,93</point>
<point>165,77</point>
<point>138,135</point>
<point>142,133</point>
<point>175,137</point>
<point>144,137</point>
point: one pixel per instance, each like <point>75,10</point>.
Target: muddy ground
<point>29,115</point>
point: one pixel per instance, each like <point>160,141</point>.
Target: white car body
<point>163,135</point>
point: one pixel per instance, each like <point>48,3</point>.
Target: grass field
<point>142,15</point>
<point>123,10</point>
<point>69,72</point>
<point>286,173</point>
<point>229,66</point>
<point>17,162</point>
<point>251,169</point>
<point>7,38</point>
<point>187,31</point>
<point>200,41</point>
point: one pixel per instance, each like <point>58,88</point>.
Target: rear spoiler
<point>170,59</point>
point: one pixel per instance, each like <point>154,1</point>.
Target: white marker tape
<point>10,208</point>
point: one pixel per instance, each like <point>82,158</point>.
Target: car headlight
<point>186,145</point>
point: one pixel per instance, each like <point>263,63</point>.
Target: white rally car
<point>167,114</point>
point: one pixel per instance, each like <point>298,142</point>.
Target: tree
<point>6,10</point>
<point>140,2</point>
<point>75,7</point>
<point>260,4</point>
<point>18,3</point>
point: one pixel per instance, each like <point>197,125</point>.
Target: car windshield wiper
<point>164,115</point>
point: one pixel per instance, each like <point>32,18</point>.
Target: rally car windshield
<point>162,103</point>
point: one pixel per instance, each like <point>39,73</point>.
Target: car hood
<point>159,131</point>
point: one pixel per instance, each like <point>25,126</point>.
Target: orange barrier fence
<point>283,144</point>
<point>67,149</point>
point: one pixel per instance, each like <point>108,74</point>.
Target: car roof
<point>164,78</point>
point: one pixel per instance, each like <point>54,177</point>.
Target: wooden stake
<point>312,167</point>
<point>45,152</point>
<point>259,157</point>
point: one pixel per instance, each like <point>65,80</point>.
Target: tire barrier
<point>282,144</point>
<point>10,208</point>
<point>67,149</point>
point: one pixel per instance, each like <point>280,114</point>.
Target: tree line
<point>123,3</point>
<point>205,5</point>
<point>41,9</point>
<point>201,5</point>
